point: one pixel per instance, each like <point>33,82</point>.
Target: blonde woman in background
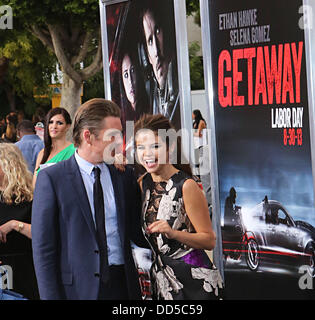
<point>16,195</point>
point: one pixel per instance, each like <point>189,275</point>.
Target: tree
<point>25,64</point>
<point>193,9</point>
<point>94,87</point>
<point>192,6</point>
<point>196,67</point>
<point>71,30</point>
<point>195,61</point>
<point>4,63</point>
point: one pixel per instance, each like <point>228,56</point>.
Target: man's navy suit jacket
<point>65,249</point>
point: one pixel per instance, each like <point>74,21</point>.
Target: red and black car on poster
<point>267,236</point>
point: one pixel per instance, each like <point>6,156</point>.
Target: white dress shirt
<point>114,247</point>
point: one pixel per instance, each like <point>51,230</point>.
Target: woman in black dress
<point>16,195</point>
<point>175,219</point>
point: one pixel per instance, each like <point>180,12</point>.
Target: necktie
<point>98,198</point>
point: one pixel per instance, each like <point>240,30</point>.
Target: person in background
<point>57,147</point>
<point>229,209</point>
<point>20,116</point>
<point>16,195</point>
<point>38,120</point>
<point>201,146</point>
<point>11,123</point>
<point>39,129</point>
<point>176,219</point>
<point>135,102</point>
<point>199,123</point>
<point>160,46</point>
<point>2,127</point>
<point>29,144</point>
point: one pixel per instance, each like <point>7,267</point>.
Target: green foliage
<point>84,14</point>
<point>192,6</point>
<point>94,87</point>
<point>196,67</point>
<point>30,64</point>
<point>193,9</point>
<point>195,60</point>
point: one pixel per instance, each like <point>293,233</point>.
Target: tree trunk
<point>11,98</point>
<point>70,97</point>
<point>4,63</point>
<point>61,42</point>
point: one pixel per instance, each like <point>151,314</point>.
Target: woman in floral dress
<point>175,218</point>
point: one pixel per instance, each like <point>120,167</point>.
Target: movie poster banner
<point>142,55</point>
<point>263,148</point>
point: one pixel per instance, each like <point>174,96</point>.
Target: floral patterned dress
<point>178,272</point>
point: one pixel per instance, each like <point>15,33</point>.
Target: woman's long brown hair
<point>47,138</point>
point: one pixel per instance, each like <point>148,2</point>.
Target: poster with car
<point>259,99</point>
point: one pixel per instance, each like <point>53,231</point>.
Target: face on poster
<point>143,59</point>
<point>262,133</point>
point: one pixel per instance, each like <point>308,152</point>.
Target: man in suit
<point>159,42</point>
<point>74,256</point>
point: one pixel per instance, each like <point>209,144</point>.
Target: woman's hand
<point>161,226</point>
<point>5,229</point>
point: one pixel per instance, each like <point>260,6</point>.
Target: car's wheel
<point>252,255</point>
<point>225,256</point>
<point>310,257</point>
